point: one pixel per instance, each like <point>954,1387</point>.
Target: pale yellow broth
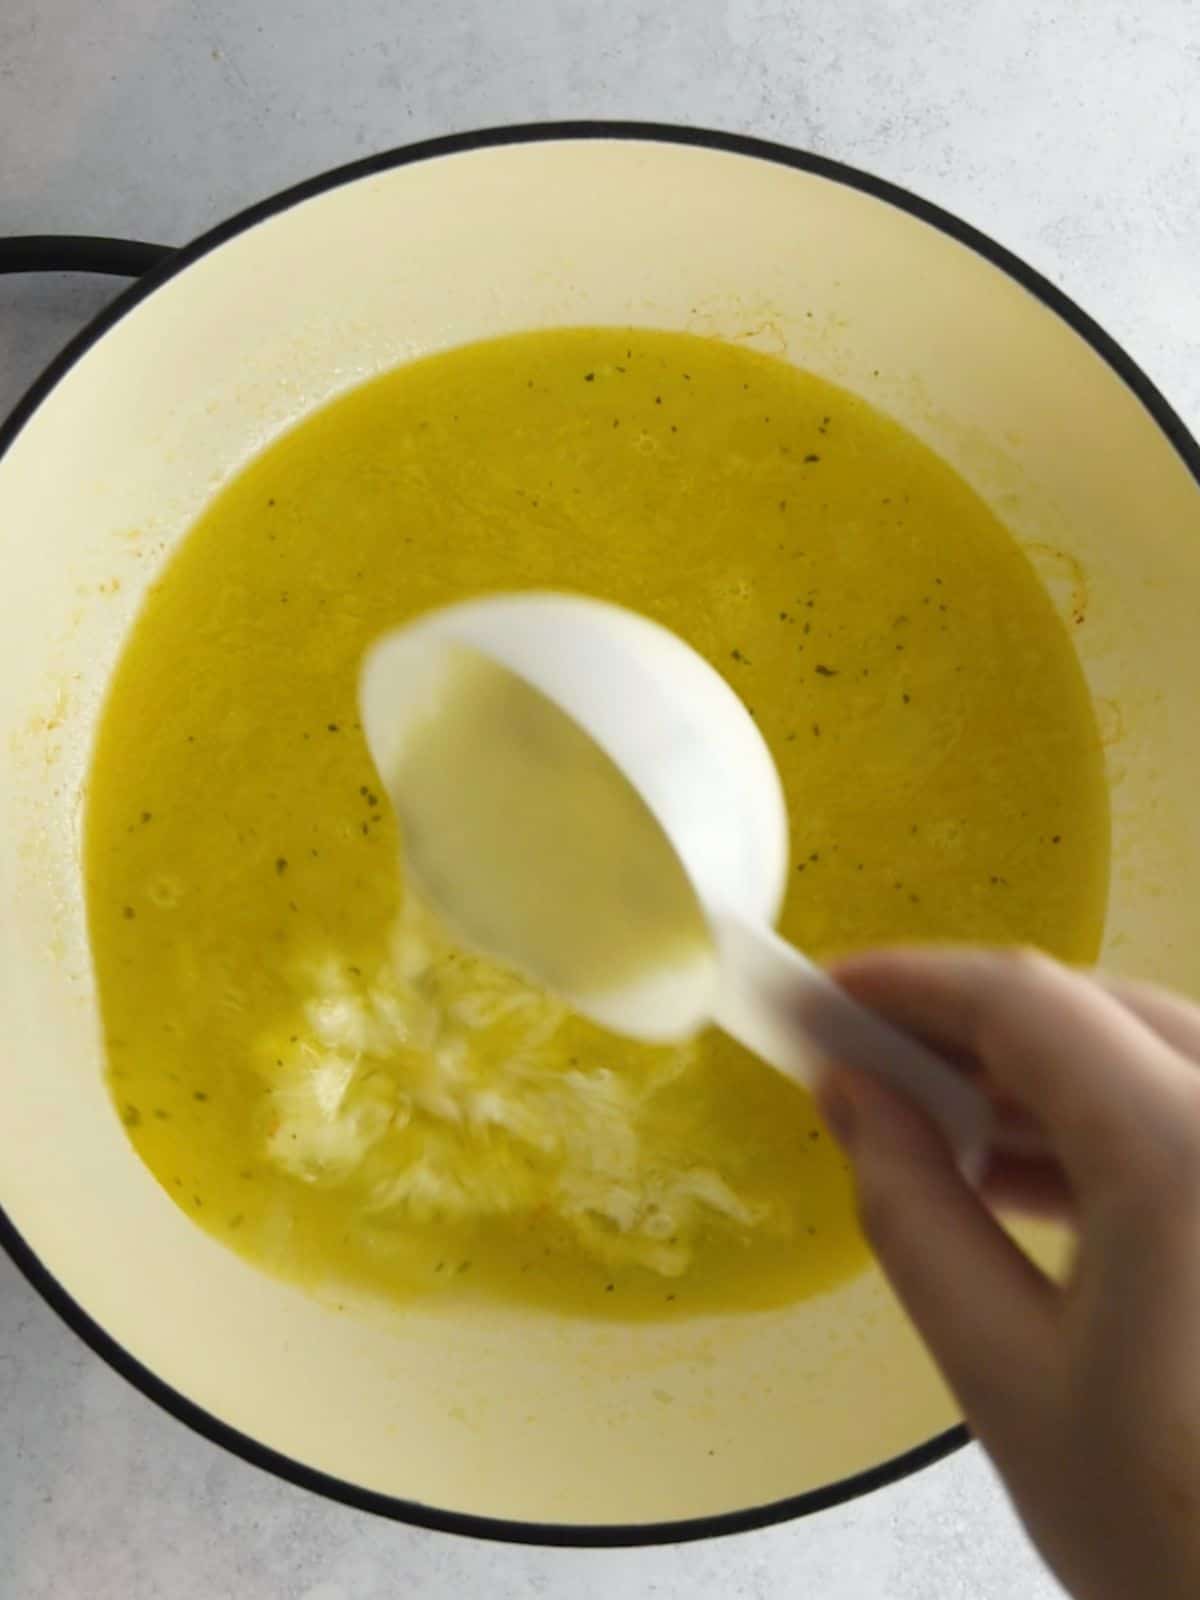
<point>308,1067</point>
<point>530,841</point>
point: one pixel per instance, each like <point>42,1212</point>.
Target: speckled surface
<point>1069,131</point>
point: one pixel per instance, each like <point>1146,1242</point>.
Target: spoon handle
<point>785,1009</point>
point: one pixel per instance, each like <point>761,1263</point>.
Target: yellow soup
<point>307,1066</point>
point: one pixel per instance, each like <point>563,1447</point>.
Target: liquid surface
<point>305,1064</point>
<point>531,843</point>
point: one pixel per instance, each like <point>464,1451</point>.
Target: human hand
<point>1085,1394</point>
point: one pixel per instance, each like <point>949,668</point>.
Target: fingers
<point>1172,1019</point>
<point>1035,1188</point>
<point>1102,1084</point>
<point>981,1305</point>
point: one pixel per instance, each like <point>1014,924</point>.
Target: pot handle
<point>69,252</point>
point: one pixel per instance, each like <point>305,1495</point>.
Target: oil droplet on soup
<point>308,1067</point>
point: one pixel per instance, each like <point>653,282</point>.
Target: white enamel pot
<point>513,1424</point>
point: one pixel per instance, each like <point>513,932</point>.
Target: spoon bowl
<point>657,731</point>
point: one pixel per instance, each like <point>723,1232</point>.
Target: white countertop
<point>1068,130</point>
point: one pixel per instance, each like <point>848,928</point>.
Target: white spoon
<point>484,721</point>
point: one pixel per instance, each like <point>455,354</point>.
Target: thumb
<point>981,1305</point>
